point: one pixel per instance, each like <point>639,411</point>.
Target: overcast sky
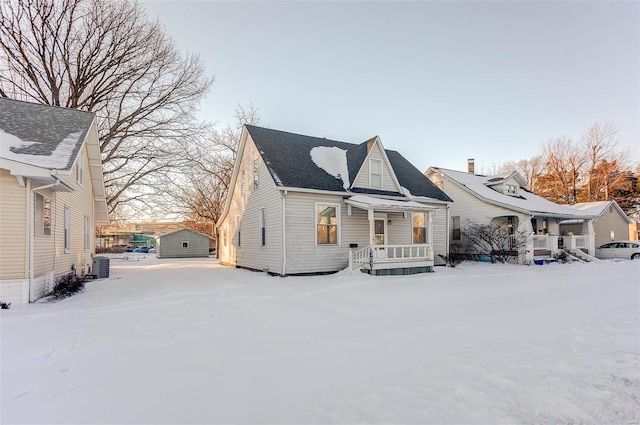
<point>439,82</point>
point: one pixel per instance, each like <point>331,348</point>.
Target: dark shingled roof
<point>288,158</point>
<point>46,125</point>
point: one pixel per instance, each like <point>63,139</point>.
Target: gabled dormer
<point>507,184</point>
<point>376,171</point>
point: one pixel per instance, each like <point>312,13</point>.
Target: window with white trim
<point>185,244</point>
<point>375,173</point>
<point>242,183</point>
<point>80,169</point>
<point>263,228</point>
<point>67,229</point>
<point>455,228</point>
<point>419,224</point>
<point>42,216</point>
<point>255,174</point>
<point>238,224</point>
<point>327,224</point>
<point>87,232</point>
<point>511,189</point>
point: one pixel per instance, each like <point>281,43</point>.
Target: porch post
<point>371,226</point>
<point>430,254</point>
<point>589,236</point>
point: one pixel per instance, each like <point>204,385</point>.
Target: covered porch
<point>400,237</point>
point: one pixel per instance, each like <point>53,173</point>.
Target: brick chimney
<point>470,166</point>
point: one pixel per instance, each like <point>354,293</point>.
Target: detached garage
<point>182,243</point>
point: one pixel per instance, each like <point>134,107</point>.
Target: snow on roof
<point>597,208</point>
<point>527,201</point>
<point>333,160</point>
<point>591,208</point>
<point>15,149</point>
<point>365,202</point>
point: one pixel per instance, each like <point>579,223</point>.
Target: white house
<point>51,196</point>
<point>504,199</point>
<point>307,205</point>
<point>611,223</point>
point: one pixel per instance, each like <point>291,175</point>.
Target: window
<point>80,169</point>
<point>242,183</point>
<point>67,229</point>
<point>375,173</point>
<point>327,224</point>
<point>511,189</point>
<point>612,235</point>
<point>87,233</point>
<point>263,228</point>
<point>255,175</point>
<point>455,228</point>
<point>185,244</point>
<point>238,229</point>
<point>42,217</point>
<point>419,227</point>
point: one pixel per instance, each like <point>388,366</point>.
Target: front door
<point>380,236</point>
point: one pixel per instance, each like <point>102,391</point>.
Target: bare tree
<point>605,162</point>
<point>107,57</point>
<point>200,189</point>
<point>530,169</point>
<point>564,162</point>
<point>495,240</point>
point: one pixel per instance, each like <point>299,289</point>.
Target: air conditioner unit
<point>100,267</point>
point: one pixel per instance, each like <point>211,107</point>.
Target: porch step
<point>398,271</point>
<point>583,255</point>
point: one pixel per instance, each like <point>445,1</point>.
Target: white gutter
<point>284,234</point>
<point>31,230</point>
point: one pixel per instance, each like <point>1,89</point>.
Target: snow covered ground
<point>189,341</point>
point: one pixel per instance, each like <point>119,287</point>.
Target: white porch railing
<point>574,242</point>
<point>541,242</point>
<point>359,258</point>
<point>389,254</point>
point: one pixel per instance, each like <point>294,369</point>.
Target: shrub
<point>67,286</point>
<point>4,305</point>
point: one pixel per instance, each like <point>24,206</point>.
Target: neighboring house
<point>505,200</point>
<point>182,243</point>
<point>51,196</point>
<point>634,230</point>
<point>306,205</point>
<point>612,222</point>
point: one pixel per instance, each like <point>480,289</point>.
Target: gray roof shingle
<point>287,156</point>
<point>42,129</point>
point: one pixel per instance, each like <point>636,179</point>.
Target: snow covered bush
<point>495,241</point>
<point>67,286</point>
<point>4,305</point>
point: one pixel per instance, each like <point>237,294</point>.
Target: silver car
<point>619,249</point>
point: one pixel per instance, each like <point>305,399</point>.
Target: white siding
<point>363,176</point>
<point>250,253</point>
<point>303,256</point>
<point>13,228</point>
<point>170,245</point>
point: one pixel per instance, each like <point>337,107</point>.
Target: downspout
<point>284,234</point>
<point>447,240</point>
<point>32,230</point>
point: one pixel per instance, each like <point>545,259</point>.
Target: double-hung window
<point>80,169</point>
<point>42,217</point>
<point>419,227</point>
<point>263,228</point>
<point>375,174</point>
<point>87,233</point>
<point>67,229</point>
<point>327,224</point>
<point>255,174</point>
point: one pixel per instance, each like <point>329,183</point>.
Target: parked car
<point>619,249</point>
<point>130,248</point>
<point>143,249</point>
<point>152,250</point>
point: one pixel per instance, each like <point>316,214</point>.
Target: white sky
<point>439,82</point>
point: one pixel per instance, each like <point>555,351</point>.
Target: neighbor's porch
<point>380,257</point>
